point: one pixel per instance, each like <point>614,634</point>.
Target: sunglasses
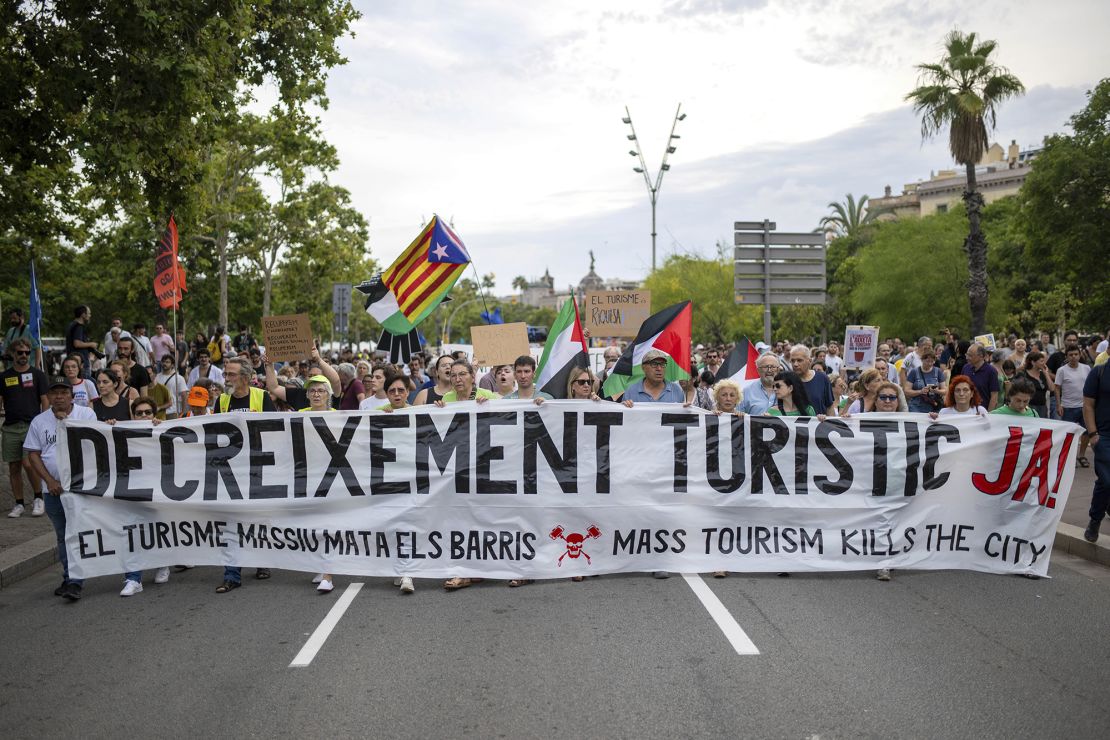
<point>582,381</point>
<point>143,412</point>
<point>780,385</point>
<point>884,397</point>
<point>23,352</point>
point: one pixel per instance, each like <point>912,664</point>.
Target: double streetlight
<point>653,188</point>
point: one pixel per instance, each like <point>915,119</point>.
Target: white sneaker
<point>162,575</point>
<point>397,581</point>
<point>130,588</point>
<point>325,586</point>
<point>16,512</point>
<point>406,585</point>
<point>38,508</point>
<point>883,574</point>
<point>319,577</point>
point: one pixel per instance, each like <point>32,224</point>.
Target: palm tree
<point>848,216</point>
<point>963,92</point>
<point>520,283</point>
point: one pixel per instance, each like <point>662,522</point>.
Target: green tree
<point>125,97</point>
<point>848,217</point>
<point>1066,212</point>
<point>910,276</point>
<point>962,92</point>
<point>708,284</point>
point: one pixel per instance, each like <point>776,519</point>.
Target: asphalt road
<point>930,654</point>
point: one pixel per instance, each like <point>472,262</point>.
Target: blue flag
<point>36,308</point>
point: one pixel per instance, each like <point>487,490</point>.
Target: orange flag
<point>169,275</point>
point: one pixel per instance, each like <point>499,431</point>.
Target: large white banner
<point>507,489</point>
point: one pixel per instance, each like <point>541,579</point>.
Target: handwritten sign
<point>860,345</point>
<point>499,344</point>
<point>288,337</point>
<point>616,313</point>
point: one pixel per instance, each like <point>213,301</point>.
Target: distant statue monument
<point>591,260</point>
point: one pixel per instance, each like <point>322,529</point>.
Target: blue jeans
<point>57,516</point>
<point>1100,496</point>
<point>233,573</point>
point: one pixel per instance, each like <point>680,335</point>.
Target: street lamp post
<point>653,188</point>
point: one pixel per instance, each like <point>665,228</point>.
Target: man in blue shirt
<point>759,394</point>
<point>818,388</point>
<point>983,375</point>
<point>654,388</point>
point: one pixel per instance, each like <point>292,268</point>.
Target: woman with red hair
<point>962,399</point>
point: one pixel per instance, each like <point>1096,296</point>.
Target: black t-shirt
<point>244,403</point>
<point>76,331</point>
<point>1097,386</point>
<point>22,393</point>
<point>1057,359</point>
<point>137,377</point>
<point>120,412</point>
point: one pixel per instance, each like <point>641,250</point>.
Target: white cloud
<point>506,116</point>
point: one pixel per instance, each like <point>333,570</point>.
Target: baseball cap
<point>317,379</point>
<point>198,396</point>
<point>60,381</point>
<point>653,354</point>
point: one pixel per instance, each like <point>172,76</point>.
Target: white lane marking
<point>734,633</point>
<point>317,639</point>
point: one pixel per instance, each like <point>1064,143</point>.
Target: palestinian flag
<point>739,366</point>
<point>565,350</point>
<point>668,331</point>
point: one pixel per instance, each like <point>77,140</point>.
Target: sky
<point>505,117</point>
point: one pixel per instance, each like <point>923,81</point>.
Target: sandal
<point>1083,462</point>
<point>720,574</point>
<point>226,586</point>
<point>262,574</point>
<point>521,582</point>
<point>454,584</point>
<point>578,579</point>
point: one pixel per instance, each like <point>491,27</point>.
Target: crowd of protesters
<point>130,376</point>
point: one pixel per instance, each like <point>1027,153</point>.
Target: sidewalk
<point>27,543</point>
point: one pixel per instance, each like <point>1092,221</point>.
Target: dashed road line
<point>732,630</point>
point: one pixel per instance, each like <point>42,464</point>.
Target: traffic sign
<point>799,239</point>
<point>784,299</point>
<point>780,253</point>
<point>748,284</point>
<point>754,225</point>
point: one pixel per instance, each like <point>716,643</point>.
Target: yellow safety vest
<point>258,396</point>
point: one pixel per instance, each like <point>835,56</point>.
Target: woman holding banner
<point>790,396</point>
<point>318,390</point>
<point>962,399</point>
<point>143,409</point>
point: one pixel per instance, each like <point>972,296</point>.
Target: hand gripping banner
<point>508,489</point>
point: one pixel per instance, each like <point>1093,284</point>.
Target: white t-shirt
<point>1102,346</point>
<point>972,411</point>
<point>215,374</point>
<point>1071,385</point>
<point>42,435</point>
<point>85,393</point>
<point>911,361</point>
<point>176,386</point>
<point>834,363</point>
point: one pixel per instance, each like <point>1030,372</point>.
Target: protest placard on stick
<point>499,344</point>
<point>616,313</point>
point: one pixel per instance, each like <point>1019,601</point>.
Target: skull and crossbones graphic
<point>574,542</point>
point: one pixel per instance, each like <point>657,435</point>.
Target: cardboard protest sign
<point>499,344</point>
<point>616,313</point>
<point>288,337</point>
<point>860,346</point>
<point>987,340</point>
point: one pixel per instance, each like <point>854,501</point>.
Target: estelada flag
<point>668,331</point>
<point>169,275</point>
<point>739,366</point>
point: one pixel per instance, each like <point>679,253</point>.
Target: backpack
<point>214,350</point>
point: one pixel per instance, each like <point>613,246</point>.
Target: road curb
<point>23,561</point>
<point>26,559</point>
<point>1069,539</point>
